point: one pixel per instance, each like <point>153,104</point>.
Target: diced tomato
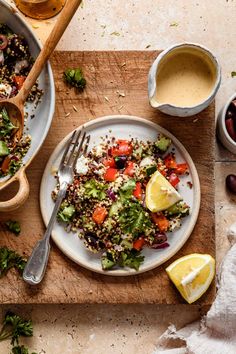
<point>174,179</point>
<point>181,168</point>
<point>19,80</point>
<point>161,169</point>
<point>122,148</point>
<point>99,215</point>
<point>6,164</point>
<point>129,170</point>
<point>109,162</point>
<point>110,174</point>
<point>138,190</point>
<point>161,221</point>
<point>170,161</point>
<point>138,244</point>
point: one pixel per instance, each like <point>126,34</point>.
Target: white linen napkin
<point>216,332</point>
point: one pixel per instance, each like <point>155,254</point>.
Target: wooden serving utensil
<point>15,105</point>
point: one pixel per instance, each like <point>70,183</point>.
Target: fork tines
<point>76,146</point>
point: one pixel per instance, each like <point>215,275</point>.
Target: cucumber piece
<point>180,208</point>
<point>115,208</point>
<point>150,170</point>
<point>4,151</point>
<point>107,263</point>
<point>163,143</point>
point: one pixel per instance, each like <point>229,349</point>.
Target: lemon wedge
<point>160,194</point>
<point>192,275</point>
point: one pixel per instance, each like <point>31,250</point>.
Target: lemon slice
<point>160,194</point>
<point>192,275</point>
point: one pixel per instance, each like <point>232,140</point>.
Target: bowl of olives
<point>226,124</point>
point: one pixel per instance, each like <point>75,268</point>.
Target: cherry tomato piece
<point>161,221</point>
<point>138,244</point>
<point>137,193</point>
<point>170,161</point>
<point>122,148</point>
<point>110,174</point>
<point>174,179</point>
<point>129,170</point>
<point>99,215</point>
<point>181,168</point>
<point>109,162</point>
<point>19,81</point>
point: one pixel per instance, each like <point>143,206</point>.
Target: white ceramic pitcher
<point>170,108</point>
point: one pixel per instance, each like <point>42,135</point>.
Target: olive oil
<point>40,9</point>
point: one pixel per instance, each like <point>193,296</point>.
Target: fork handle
<point>36,266</point>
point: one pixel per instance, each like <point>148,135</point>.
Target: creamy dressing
<point>184,79</point>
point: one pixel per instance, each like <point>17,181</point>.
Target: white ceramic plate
<point>122,127</point>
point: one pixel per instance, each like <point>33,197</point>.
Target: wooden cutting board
<point>108,74</point>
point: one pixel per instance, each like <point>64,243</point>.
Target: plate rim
<point>195,178</point>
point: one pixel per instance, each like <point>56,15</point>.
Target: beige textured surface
<point>135,329</point>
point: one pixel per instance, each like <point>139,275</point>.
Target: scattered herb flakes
<point>115,33</point>
<point>103,26</point>
<point>82,4</point>
<point>233,73</point>
<point>148,46</point>
<point>120,94</point>
<point>13,226</point>
<point>174,24</point>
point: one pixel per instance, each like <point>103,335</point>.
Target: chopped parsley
<point>10,259</point>
<point>75,78</point>
<point>13,226</point>
<point>133,219</point>
<point>95,189</point>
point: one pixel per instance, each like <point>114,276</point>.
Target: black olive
<point>120,162</point>
<point>91,239</point>
<point>159,238</point>
<point>231,183</point>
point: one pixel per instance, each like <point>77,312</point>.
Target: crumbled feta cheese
<point>5,90</point>
<point>99,150</point>
<point>147,161</point>
<point>118,248</point>
<point>82,165</point>
<point>174,224</point>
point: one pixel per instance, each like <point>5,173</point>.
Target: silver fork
<point>36,266</point>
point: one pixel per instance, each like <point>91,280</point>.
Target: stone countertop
<point>141,25</point>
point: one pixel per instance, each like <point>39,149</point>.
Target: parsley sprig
<point>10,259</point>
<point>13,328</point>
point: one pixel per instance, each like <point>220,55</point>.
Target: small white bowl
<point>222,132</point>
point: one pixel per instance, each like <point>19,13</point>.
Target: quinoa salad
<point>15,64</point>
<point>109,203</point>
